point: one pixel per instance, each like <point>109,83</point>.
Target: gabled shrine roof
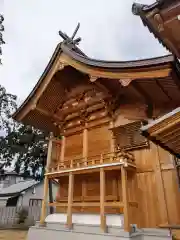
<point>142,78</point>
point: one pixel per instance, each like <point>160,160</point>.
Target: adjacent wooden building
<point>102,162</point>
<point>162,19</point>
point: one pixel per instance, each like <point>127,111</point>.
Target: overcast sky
<point>108,29</point>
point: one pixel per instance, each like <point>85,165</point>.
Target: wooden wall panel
<point>164,156</point>
<point>99,140</point>
<point>147,199</point>
<point>144,159</point>
<point>90,182</point>
<point>158,194</point>
<point>172,194</point>
<point>74,146</point>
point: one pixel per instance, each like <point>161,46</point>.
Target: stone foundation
<point>56,231</point>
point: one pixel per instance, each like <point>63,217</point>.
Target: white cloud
<point>108,29</point>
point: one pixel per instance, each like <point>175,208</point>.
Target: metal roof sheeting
<point>17,188</point>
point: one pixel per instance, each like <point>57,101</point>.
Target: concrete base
<point>56,231</point>
<point>116,220</point>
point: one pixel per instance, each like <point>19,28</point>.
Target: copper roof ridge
<point>116,64</point>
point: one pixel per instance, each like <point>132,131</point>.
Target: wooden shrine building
<point>103,163</point>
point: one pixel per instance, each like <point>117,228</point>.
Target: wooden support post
<point>125,199</point>
<point>49,153</point>
<point>70,200</point>
<point>85,145</point>
<point>45,194</point>
<point>102,200</point>
<point>50,195</point>
<point>43,208</point>
<point>63,149</point>
<point>112,142</point>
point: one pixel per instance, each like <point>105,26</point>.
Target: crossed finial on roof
<point>71,39</point>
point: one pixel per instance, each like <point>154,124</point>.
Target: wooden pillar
<point>45,192</point>
<point>49,153</point>
<point>63,144</point>
<point>85,145</point>
<point>125,198</point>
<point>43,208</point>
<point>50,185</point>
<point>112,142</point>
<point>102,200</point>
<point>70,200</point>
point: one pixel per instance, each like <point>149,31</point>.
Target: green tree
<point>22,147</point>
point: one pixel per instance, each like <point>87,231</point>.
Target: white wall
<point>36,193</point>
<point>3,202</point>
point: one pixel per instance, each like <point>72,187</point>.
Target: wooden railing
<point>106,158</point>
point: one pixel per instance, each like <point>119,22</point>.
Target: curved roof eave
<point>83,59</point>
<point>117,64</point>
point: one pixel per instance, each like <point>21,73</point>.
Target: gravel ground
<point>13,235</point>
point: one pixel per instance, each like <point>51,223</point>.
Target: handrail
<point>93,160</point>
<point>169,226</point>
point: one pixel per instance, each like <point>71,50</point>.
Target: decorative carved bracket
<point>159,21</point>
<point>62,65</point>
<point>125,82</point>
<point>92,78</point>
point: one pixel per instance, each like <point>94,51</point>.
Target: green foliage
<point>22,215</point>
<point>24,145</point>
<point>7,107</point>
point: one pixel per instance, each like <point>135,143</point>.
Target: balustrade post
<point>101,158</point>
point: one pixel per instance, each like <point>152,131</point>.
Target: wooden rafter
<point>176,77</point>
<point>162,89</point>
<point>146,97</point>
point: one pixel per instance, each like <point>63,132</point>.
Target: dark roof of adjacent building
<point>16,189</point>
